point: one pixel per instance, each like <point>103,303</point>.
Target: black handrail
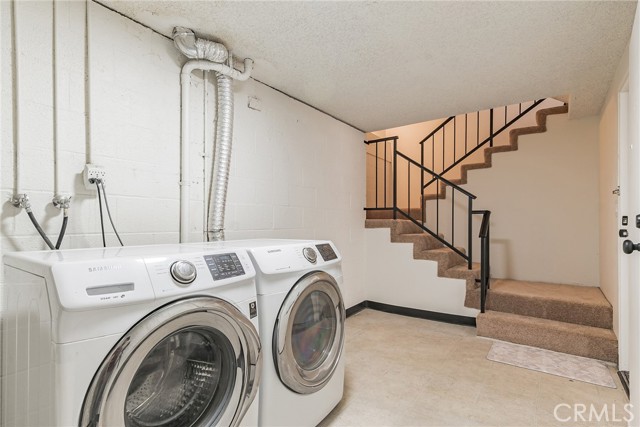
<point>440,126</point>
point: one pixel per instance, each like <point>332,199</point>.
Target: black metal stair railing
<point>413,180</point>
<point>455,148</point>
<point>406,180</point>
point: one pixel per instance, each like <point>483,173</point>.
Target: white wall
<point>295,171</point>
<point>608,206</point>
<point>544,203</point>
<point>394,277</point>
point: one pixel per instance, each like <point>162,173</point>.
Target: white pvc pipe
<point>185,80</point>
<point>56,146</point>
<point>16,101</point>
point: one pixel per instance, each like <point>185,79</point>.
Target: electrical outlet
<point>91,173</point>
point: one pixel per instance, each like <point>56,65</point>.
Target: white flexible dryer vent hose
<point>198,49</point>
<point>192,47</point>
<point>222,165</point>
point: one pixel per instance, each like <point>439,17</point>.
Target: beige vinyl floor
<point>402,371</point>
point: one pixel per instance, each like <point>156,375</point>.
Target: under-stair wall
<point>544,203</point>
<point>394,277</point>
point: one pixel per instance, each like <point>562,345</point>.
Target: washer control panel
<point>310,255</point>
<point>183,272</point>
<point>224,266</point>
<point>326,252</point>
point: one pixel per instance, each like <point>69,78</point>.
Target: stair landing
<point>566,318</point>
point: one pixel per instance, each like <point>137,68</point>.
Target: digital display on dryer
<point>326,252</point>
<point>223,266</point>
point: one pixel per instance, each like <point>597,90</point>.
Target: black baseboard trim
<point>356,308</point>
<point>624,379</point>
<point>413,312</point>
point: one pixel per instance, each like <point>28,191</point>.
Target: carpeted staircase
<point>566,318</point>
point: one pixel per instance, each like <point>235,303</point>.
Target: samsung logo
<point>104,268</point>
<point>273,251</point>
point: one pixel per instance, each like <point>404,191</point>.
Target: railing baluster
<point>385,174</point>
<point>395,177</point>
<point>478,128</point>
<point>443,144</point>
<point>453,211</point>
<point>454,140</point>
<point>470,233</point>
<point>433,152</point>
<point>376,166</point>
<point>422,184</point>
<point>491,127</point>
<point>505,115</point>
<point>520,108</point>
<point>465,133</point>
<point>438,206</point>
<point>409,187</point>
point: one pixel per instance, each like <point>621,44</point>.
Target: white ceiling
<point>377,65</point>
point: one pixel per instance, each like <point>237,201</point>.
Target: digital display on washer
<point>223,266</point>
<point>326,252</point>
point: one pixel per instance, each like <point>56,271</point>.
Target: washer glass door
<point>185,376</point>
<point>194,362</point>
<point>309,333</point>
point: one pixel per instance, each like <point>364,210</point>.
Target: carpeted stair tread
<point>445,257</point>
<point>580,340</point>
<point>421,241</point>
<point>388,214</point>
<point>378,223</point>
<point>584,305</point>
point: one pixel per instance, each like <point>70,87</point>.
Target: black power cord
<point>104,240</point>
<point>106,203</point>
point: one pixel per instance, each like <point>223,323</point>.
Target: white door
<point>621,215</point>
<point>633,192</point>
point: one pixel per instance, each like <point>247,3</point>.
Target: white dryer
<point>160,335</point>
<point>302,317</point>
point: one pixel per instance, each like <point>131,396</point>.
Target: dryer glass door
<point>194,362</point>
<point>309,333</point>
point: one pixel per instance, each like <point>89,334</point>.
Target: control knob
<point>310,255</point>
<point>183,272</point>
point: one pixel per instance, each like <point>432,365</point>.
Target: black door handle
<point>628,247</point>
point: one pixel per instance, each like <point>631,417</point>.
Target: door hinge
<point>616,191</point>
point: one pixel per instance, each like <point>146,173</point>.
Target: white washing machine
<point>302,317</point>
<point>160,335</point>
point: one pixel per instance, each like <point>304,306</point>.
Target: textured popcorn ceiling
<point>377,65</point>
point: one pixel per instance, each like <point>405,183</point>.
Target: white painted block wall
<point>296,173</point>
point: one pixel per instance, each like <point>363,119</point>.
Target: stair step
<point>415,213</point>
<point>378,223</point>
<point>421,241</point>
<point>445,257</point>
<point>579,340</point>
<point>405,226</point>
<point>583,305</point>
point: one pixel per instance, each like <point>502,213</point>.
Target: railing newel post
<point>395,177</point>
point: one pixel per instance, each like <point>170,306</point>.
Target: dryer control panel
<point>223,266</point>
